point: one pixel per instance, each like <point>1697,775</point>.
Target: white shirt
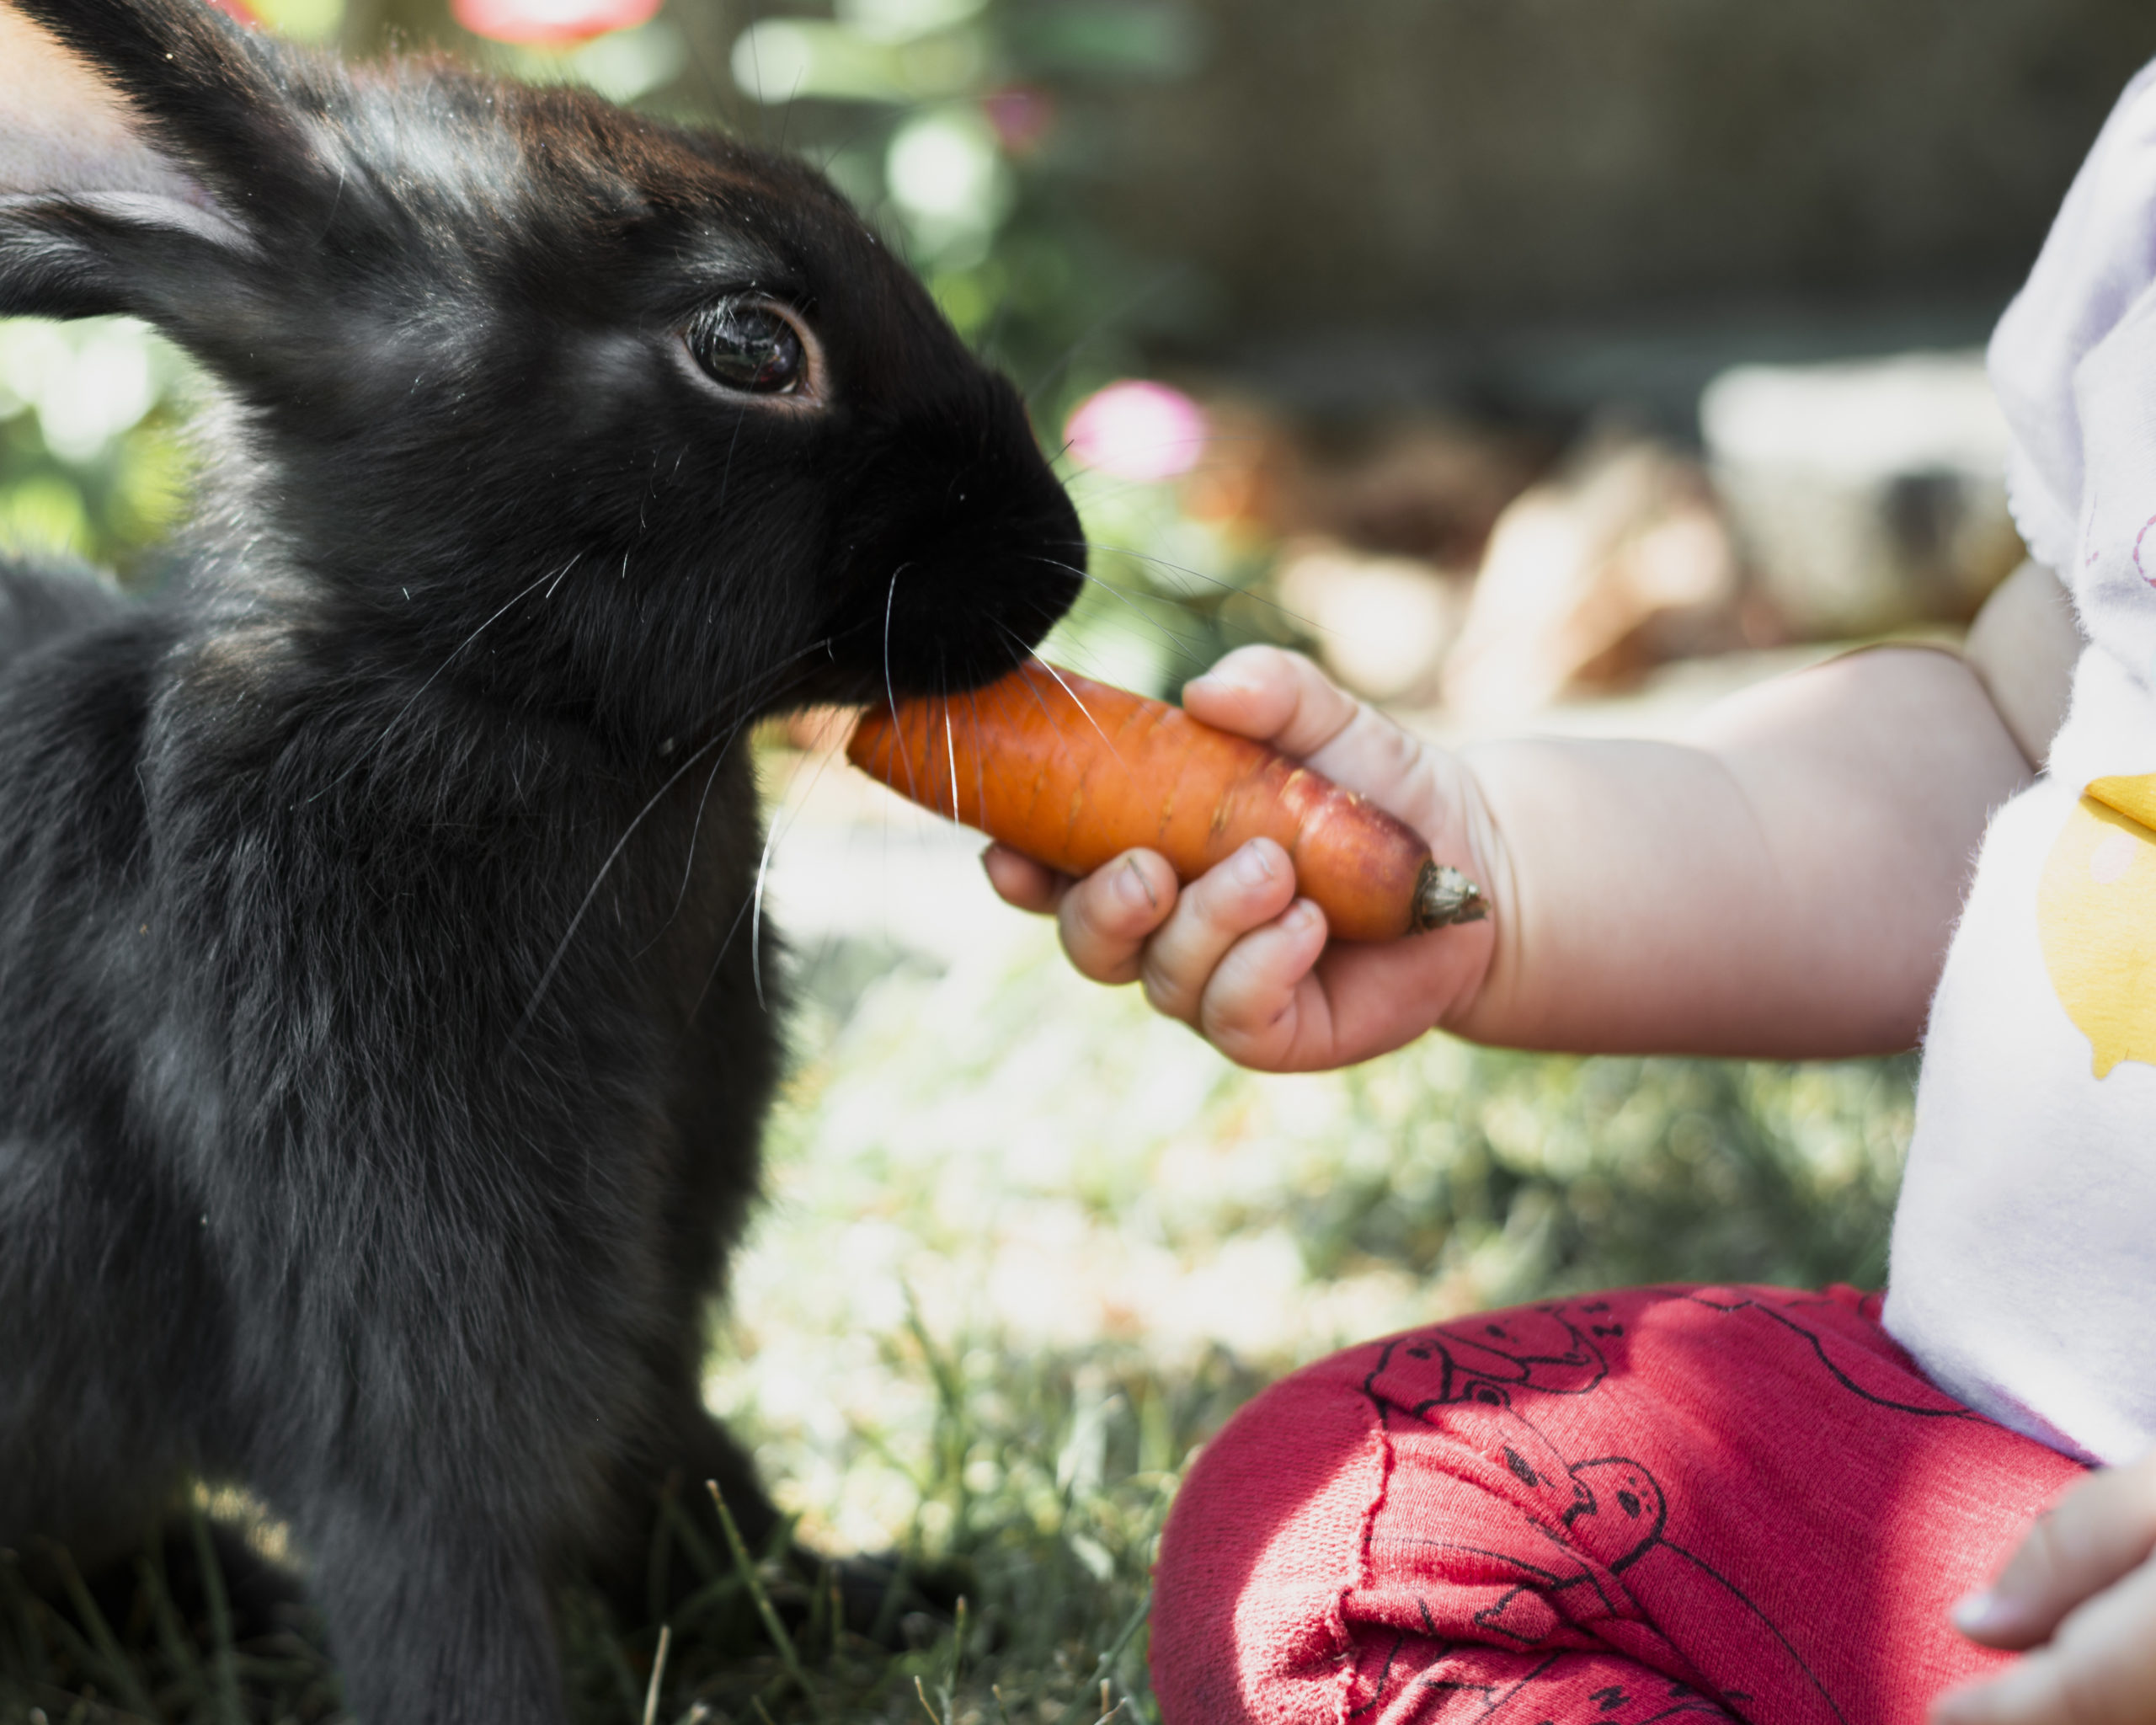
<point>2024,1265</point>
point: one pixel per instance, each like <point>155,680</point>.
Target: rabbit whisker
<point>950,742</point>
<point>1100,485</point>
<point>726,472</point>
<point>890,688</point>
<point>732,928</point>
<point>981,778</point>
<point>754,902</point>
<point>1082,658</point>
<point>756,918</point>
<point>756,68</point>
<point>336,203</point>
<point>556,583</point>
<point>719,739</point>
<point>1025,648</point>
<point>1076,702</point>
<point>404,712</point>
<point>703,800</point>
<point>786,113</point>
<point>1113,315</point>
<point>1226,587</point>
<point>985,343</point>
<point>1189,650</point>
<point>1072,693</point>
<point>561,951</point>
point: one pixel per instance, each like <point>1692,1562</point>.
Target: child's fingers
<point>1277,697</point>
<point>2100,1669</point>
<point>1020,881</point>
<point>1255,1007</point>
<point>2102,1528</point>
<point>1106,919</point>
<point>1282,699</point>
<point>1235,896</point>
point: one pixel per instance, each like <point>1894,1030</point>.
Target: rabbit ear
<point>63,130</point>
<point>126,131</point>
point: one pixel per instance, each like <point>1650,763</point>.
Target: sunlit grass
<point>1026,1245</point>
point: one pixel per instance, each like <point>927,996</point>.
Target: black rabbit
<point>382,1055</point>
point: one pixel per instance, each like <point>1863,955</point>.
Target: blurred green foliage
<point>93,463</point>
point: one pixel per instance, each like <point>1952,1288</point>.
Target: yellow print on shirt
<point>2096,919</point>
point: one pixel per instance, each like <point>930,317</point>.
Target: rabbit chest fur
<point>386,1019</point>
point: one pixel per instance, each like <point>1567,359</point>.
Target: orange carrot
<point>1072,774</point>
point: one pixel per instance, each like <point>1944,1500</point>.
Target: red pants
<point>1712,1504</point>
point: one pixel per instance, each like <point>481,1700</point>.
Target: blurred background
<point>1515,349</point>
<point>1556,364</point>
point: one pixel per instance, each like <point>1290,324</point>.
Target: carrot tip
<point>1444,896</point>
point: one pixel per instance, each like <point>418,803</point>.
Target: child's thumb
<point>2102,1528</point>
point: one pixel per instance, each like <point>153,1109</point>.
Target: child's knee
<point>1267,1534</point>
<point>1332,1556</point>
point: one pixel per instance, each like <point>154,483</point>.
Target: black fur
<point>382,1057</point>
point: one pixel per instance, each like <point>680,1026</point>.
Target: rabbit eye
<point>749,345</point>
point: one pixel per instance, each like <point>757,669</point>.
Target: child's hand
<point>2081,1589</point>
<point>1236,954</point>
<point>1781,883</point>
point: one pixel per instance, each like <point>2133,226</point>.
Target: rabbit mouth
<point>962,606</point>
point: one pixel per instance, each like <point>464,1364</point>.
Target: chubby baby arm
<point>1782,882</point>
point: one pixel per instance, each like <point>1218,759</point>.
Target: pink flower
<point>1022,118</point>
<point>550,21</point>
<point>1137,431</point>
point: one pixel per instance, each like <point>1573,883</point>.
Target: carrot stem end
<point>1445,897</point>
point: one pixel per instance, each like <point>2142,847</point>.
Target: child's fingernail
<point>1302,916</point>
<point>1253,867</point>
<point>1132,887</point>
<point>1981,1613</point>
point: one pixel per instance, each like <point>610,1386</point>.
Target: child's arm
<point>1782,883</point>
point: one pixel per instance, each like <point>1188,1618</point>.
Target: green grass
<point>1073,1241</point>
